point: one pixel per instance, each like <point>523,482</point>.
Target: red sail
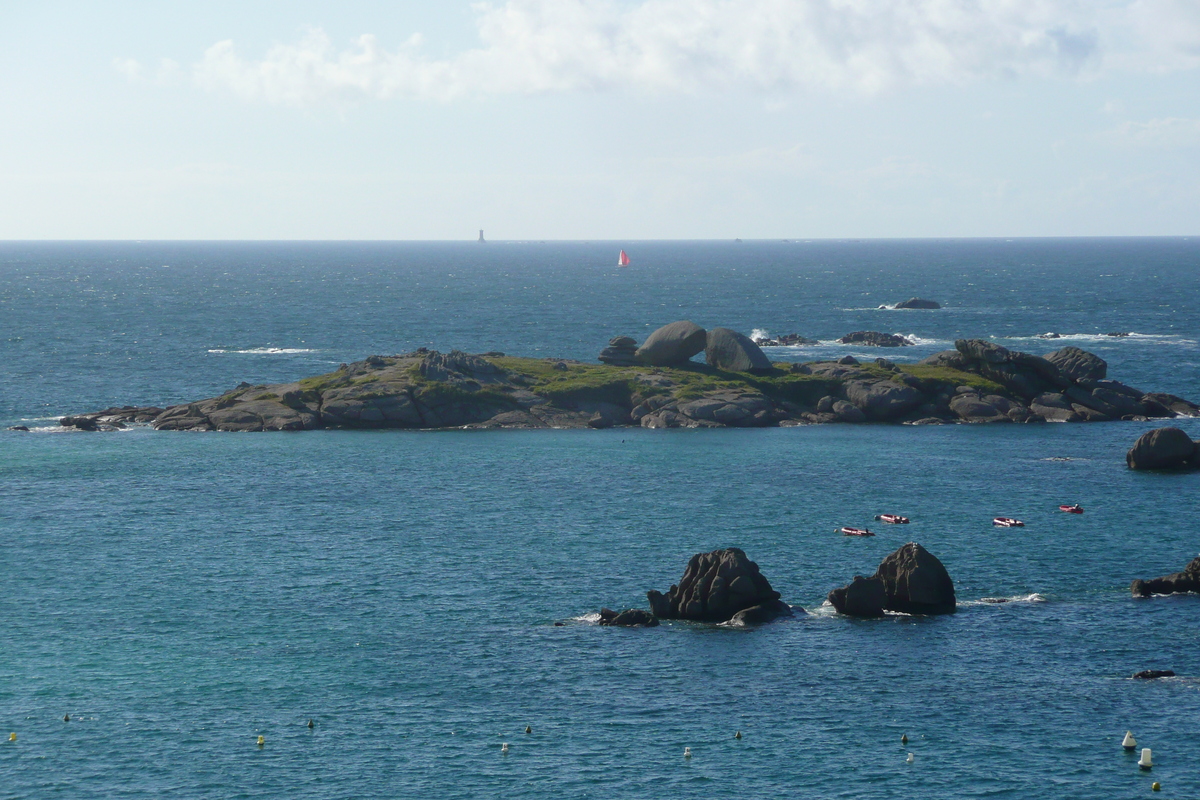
<point>623,260</point>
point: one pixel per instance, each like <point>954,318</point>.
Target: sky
<point>599,119</point>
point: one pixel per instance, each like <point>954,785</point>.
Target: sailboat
<point>623,260</point>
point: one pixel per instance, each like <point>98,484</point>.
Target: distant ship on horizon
<point>481,239</point>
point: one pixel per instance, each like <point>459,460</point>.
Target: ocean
<point>422,597</point>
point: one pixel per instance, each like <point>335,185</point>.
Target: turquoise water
<point>180,595</point>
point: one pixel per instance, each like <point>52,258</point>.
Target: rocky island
<point>657,385</point>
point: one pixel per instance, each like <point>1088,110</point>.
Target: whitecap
<point>1138,338</point>
<point>1033,597</point>
<point>263,351</point>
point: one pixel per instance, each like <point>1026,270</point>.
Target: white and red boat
<point>1008,522</point>
<point>1071,509</point>
<point>848,531</point>
<point>892,519</point>
<point>622,260</point>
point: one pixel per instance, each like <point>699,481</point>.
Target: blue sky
<point>587,119</point>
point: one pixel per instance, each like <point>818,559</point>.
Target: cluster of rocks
<point>1187,581</point>
<point>1164,448</point>
<point>621,352</point>
<point>876,339</point>
<point>725,586</point>
<point>911,581</point>
<point>915,303</point>
<point>675,345</point>
<point>787,340</point>
<point>657,385</point>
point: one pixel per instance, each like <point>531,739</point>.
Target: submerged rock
<point>1153,674</point>
<point>717,586</point>
<point>875,339</point>
<point>917,302</point>
<point>629,618</point>
<point>912,579</point>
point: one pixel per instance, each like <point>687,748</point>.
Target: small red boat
<point>1008,522</point>
<point>622,260</point>
<point>892,519</point>
<point>848,531</point>
<point>1073,509</point>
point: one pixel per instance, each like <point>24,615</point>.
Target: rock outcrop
<point>716,587</point>
<point>621,352</point>
<point>629,618</point>
<point>911,581</point>
<point>1164,448</point>
<point>672,345</point>
<point>1078,364</point>
<point>917,302</point>
<point>875,339</point>
<point>1175,583</point>
<point>977,382</point>
<point>1153,674</point>
<point>730,350</point>
<point>787,340</point>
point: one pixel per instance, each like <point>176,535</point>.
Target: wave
<point>1033,597</point>
<point>1140,338</point>
<point>263,351</point>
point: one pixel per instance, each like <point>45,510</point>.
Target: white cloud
<point>1166,132</point>
<point>532,46</point>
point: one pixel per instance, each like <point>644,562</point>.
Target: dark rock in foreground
<point>1152,674</point>
<point>911,581</point>
<point>629,618</point>
<point>732,351</point>
<point>716,587</point>
<point>875,339</point>
<point>1164,448</point>
<point>621,352</point>
<point>1175,583</point>
<point>672,345</point>
<point>917,302</point>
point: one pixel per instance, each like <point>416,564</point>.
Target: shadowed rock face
<point>1078,364</point>
<point>1163,448</point>
<point>912,581</point>
<point>875,339</point>
<point>629,618</point>
<point>730,350</point>
<point>672,345</point>
<point>918,302</point>
<point>1175,583</point>
<point>715,587</point>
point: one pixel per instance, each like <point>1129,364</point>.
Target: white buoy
<point>1145,762</point>
<point>504,747</point>
<point>687,752</point>
<point>1129,743</point>
<point>909,760</point>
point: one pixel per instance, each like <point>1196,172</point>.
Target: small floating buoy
<point>504,747</point>
<point>529,729</point>
<point>262,740</point>
<point>12,737</point>
<point>310,724</point>
<point>1145,762</point>
<point>904,738</point>
<point>1129,743</point>
<point>737,735</point>
<point>909,760</point>
<point>687,752</point>
<point>66,717</point>
<point>1154,787</point>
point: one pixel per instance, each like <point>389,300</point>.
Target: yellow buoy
<point>310,724</point>
<point>904,738</point>
<point>1154,787</point>
<point>529,729</point>
<point>12,737</point>
<point>262,740</point>
<point>737,735</point>
<point>66,717</point>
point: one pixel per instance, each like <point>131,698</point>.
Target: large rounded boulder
<point>918,302</point>
<point>1184,582</point>
<point>912,580</point>
<point>672,345</point>
<point>1163,448</point>
<point>1078,365</point>
<point>716,587</point>
<point>730,350</point>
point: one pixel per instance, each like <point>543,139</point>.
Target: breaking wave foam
<point>1003,601</point>
<point>263,351</point>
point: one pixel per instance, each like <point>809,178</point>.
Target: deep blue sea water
<point>181,594</point>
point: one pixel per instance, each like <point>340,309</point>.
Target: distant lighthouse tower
<point>481,241</point>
